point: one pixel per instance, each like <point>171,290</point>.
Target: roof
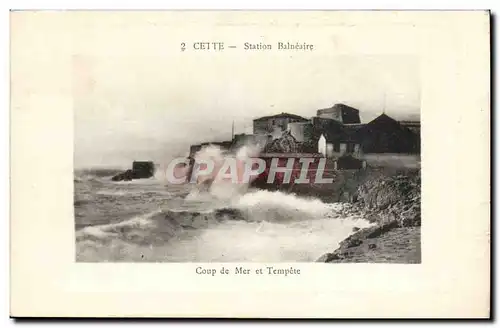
<point>282,115</point>
<point>332,136</point>
<point>339,106</point>
<point>382,118</point>
<point>350,129</point>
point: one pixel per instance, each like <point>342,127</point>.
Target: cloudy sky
<point>151,105</point>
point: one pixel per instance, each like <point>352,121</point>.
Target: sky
<point>136,101</point>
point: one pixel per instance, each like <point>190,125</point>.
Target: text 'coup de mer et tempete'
<point>239,270</point>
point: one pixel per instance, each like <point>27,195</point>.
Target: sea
<point>150,220</point>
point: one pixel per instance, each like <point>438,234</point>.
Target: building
<point>413,126</point>
<point>337,126</point>
<point>344,142</point>
<point>335,132</point>
<point>301,131</point>
<point>326,135</point>
<point>341,113</point>
<point>386,135</point>
<point>275,124</point>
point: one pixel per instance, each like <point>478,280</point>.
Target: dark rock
<point>354,198</point>
<point>349,162</point>
<point>353,242</point>
<point>328,257</point>
<point>392,202</point>
<point>143,170</point>
<point>324,258</point>
<point>411,220</point>
<point>372,218</point>
<point>124,176</point>
<point>140,170</point>
<point>386,191</point>
<point>379,230</point>
<point>355,229</point>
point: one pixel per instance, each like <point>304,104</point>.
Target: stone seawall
<point>345,186</point>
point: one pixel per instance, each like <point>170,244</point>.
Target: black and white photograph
<point>261,150</point>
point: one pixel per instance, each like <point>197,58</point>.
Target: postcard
<point>250,164</point>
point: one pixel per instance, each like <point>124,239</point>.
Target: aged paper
<point>266,164</point>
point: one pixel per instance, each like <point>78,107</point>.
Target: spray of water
<point>254,225</point>
<point>227,179</point>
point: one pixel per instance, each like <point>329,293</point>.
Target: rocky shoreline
<point>393,203</point>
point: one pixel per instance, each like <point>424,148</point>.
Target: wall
<point>330,113</point>
<point>340,149</point>
<point>410,161</point>
<point>260,127</point>
<point>269,125</point>
<point>322,145</point>
<point>341,113</point>
<point>331,129</point>
<point>301,131</point>
<point>345,182</point>
<point>385,135</point>
<point>350,116</point>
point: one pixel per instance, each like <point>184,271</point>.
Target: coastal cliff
<point>392,203</point>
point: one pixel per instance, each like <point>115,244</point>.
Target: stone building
<point>333,132</point>
<point>386,135</point>
<point>341,113</point>
<point>381,135</point>
<point>301,131</point>
<point>275,124</point>
<point>414,127</point>
<point>335,124</point>
<point>339,142</point>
